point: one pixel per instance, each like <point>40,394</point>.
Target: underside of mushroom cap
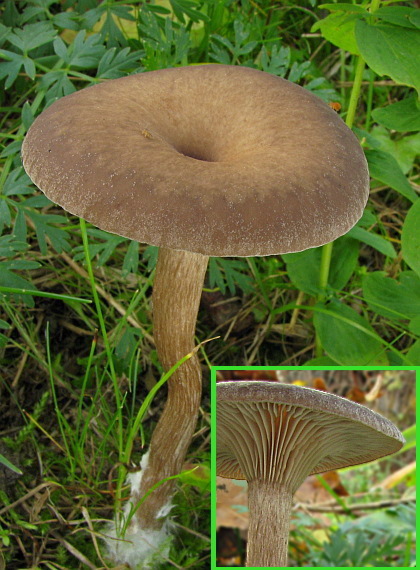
<point>215,159</point>
<point>280,432</point>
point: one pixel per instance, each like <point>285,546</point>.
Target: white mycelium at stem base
<point>275,445</point>
<point>138,546</point>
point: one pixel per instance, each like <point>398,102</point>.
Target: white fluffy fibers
<point>139,548</point>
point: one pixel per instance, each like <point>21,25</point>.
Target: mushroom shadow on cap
<point>214,159</point>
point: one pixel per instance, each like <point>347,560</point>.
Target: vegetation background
<point>63,436</point>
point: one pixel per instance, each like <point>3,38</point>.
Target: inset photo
<point>315,468</point>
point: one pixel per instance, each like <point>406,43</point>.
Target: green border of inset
<point>213,373</point>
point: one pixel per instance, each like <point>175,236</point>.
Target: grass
<point>80,424</point>
<point>78,367</point>
<point>67,437</point>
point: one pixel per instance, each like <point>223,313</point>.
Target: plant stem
<point>351,112</point>
<point>343,93</point>
<point>369,99</point>
<point>325,264</point>
<point>355,92</point>
<point>270,506</point>
<point>324,272</point>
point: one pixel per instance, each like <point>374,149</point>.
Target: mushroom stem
<point>176,297</point>
<point>270,506</point>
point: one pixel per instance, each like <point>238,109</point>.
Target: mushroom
<point>275,435</point>
<point>203,160</point>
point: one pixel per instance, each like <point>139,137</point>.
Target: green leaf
<point>374,240</point>
<point>338,28</point>
<point>10,279</point>
<point>131,259</point>
<point>123,12</point>
<point>111,32</point>
<point>104,249</point>
<point>277,62</point>
<point>158,9</point>
<point>29,67</point>
<point>389,522</point>
<point>368,218</point>
<point>9,246</point>
<point>84,52</point>
<point>165,44</point>
<point>60,48</point>
<point>66,20</point>
<point>27,115</point>
<point>415,18</point>
<point>237,49</point>
<point>11,149</point>
<point>126,347</point>
<point>17,183</point>
<point>215,275</point>
<point>413,354</point>
<point>199,477</point>
<point>321,361</point>
<point>219,54</point>
<point>58,237</point>
<point>410,238</point>
<point>149,26</point>
<point>405,149</point>
<point>414,325</point>
<point>57,85</point>
<point>5,216</point>
<point>91,17</point>
<point>36,201</point>
<point>303,267</point>
<point>390,298</point>
<point>410,438</point>
<point>20,230</point>
<point>21,264</point>
<point>150,256</point>
<point>32,36</point>
<point>346,336</point>
<point>4,33</point>
<point>384,167</point>
<point>189,8</point>
<point>10,13</point>
<point>344,7</point>
<point>9,465</point>
<point>11,67</point>
<point>34,12</point>
<point>225,273</point>
<point>319,85</point>
<point>403,116</point>
<point>116,63</point>
<point>397,15</point>
<point>298,70</point>
<point>390,50</point>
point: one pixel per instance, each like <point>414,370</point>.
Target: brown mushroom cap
<point>281,432</point>
<point>213,159</point>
